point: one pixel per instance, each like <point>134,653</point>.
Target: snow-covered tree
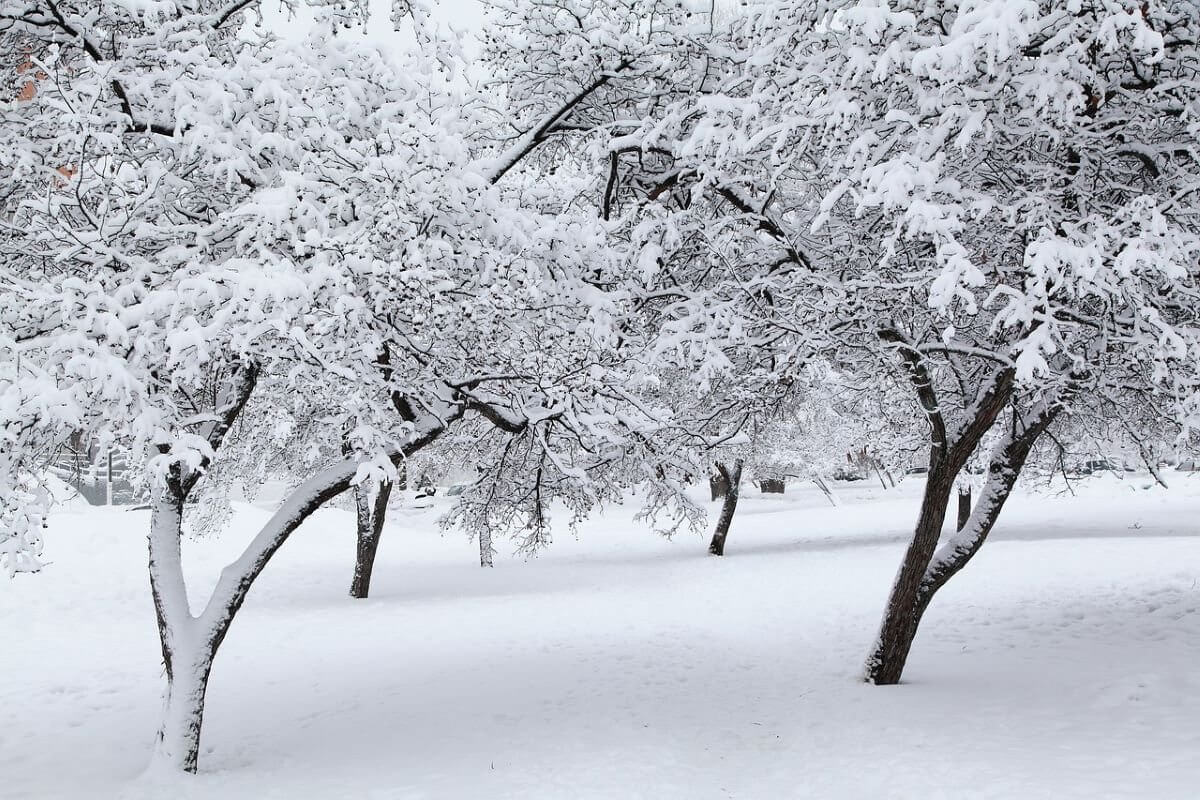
<point>243,220</point>
<point>1029,159</point>
<point>993,200</point>
<point>820,429</point>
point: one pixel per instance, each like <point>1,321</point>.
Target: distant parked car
<point>916,471</point>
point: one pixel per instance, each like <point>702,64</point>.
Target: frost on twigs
<point>22,511</point>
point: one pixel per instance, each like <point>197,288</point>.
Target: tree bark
<point>732,477</point>
<point>486,551</point>
<point>948,453</point>
<point>177,746</point>
<point>824,487</point>
<point>187,661</point>
<point>964,506</point>
<point>886,665</point>
<point>718,484</point>
<point>879,474</point>
<point>1004,467</point>
<point>371,510</point>
<point>899,627</point>
<point>190,643</point>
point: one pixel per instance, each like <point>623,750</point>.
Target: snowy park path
<point>621,665</point>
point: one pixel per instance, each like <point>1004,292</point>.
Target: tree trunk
<point>964,506</point>
<point>486,551</point>
<point>732,477</point>
<point>911,597</point>
<point>1004,467</point>
<point>177,745</point>
<point>899,627</point>
<point>190,643</point>
<point>948,453</point>
<point>370,512</point>
<point>824,487</point>
<point>718,484</point>
<point>879,474</point>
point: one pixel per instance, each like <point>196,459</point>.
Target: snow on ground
<point>1060,663</point>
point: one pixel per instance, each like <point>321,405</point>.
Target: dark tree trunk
<point>879,474</point>
<point>885,665</point>
<point>732,477</point>
<point>964,506</point>
<point>891,478</point>
<point>771,486</point>
<point>371,512</point>
<point>824,487</point>
<point>899,627</point>
<point>487,553</point>
<point>1004,467</point>
<point>718,484</point>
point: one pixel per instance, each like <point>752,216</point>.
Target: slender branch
<point>237,578</point>
<point>551,123</point>
<point>96,55</point>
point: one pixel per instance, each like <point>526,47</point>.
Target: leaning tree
<point>1025,171</point>
<point>992,202</point>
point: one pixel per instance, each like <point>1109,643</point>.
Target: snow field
<point>621,665</point>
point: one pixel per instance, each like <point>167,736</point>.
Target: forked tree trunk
<point>190,643</point>
<point>370,502</point>
<point>1004,467</point>
<point>886,665</point>
<point>731,475</point>
<point>824,487</point>
<point>879,474</point>
<point>947,455</point>
<point>964,506</point>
